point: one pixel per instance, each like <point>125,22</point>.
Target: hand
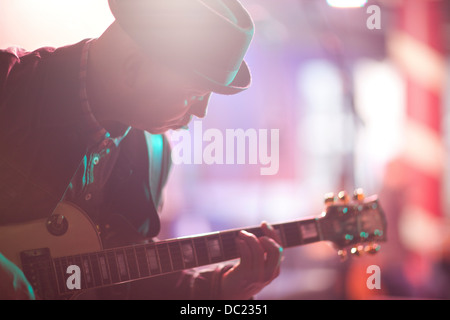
<point>14,285</point>
<point>258,266</point>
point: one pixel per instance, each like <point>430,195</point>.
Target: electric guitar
<point>51,251</point>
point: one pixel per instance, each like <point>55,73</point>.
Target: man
<point>75,124</point>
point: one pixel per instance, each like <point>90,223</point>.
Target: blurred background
<point>360,96</point>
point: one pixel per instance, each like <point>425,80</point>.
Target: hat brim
<point>241,81</point>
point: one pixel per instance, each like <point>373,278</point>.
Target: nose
<point>200,106</point>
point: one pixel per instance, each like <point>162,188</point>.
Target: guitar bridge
<point>38,268</point>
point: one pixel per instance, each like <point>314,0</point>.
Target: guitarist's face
<point>156,97</point>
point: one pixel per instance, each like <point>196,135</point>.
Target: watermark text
<point>234,146</point>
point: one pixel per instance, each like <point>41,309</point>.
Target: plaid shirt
<point>100,159</point>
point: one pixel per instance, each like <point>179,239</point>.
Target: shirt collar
<point>96,130</point>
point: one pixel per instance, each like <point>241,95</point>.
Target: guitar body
<point>80,237</point>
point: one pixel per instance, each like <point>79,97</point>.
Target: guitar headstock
<point>354,222</point>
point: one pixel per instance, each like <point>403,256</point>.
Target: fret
<point>87,269</point>
<point>66,262</point>
<point>96,272</point>
<point>229,244</point>
<point>122,265</point>
<point>141,258</point>
<point>77,260</point>
<point>188,253</point>
<point>104,269</point>
<point>214,248</point>
<point>132,263</point>
<point>164,257</point>
<point>201,251</point>
<point>292,234</point>
<point>60,275</point>
<point>113,268</point>
<point>175,255</point>
<point>309,231</point>
<point>152,259</point>
<point>279,231</point>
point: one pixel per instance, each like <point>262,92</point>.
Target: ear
<point>131,68</point>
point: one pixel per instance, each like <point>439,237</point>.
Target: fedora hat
<point>207,38</point>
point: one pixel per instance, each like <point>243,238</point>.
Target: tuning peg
<point>357,251</point>
<point>358,194</point>
<point>343,196</point>
<point>343,254</point>
<point>329,198</point>
<point>372,248</point>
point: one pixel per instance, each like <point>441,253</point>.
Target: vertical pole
<point>416,45</point>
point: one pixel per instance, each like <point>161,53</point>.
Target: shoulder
<point>17,55</point>
<point>14,60</point>
<point>20,58</point>
<point>18,65</point>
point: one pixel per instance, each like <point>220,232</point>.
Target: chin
<point>154,130</point>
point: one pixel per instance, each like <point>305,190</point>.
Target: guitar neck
<point>129,263</point>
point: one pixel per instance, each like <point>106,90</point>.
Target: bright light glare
<point>346,3</point>
<point>32,24</point>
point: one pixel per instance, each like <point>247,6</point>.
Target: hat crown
<point>210,37</point>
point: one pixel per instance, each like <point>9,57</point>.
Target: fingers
<point>259,264</point>
<point>273,258</point>
<point>270,232</point>
<point>260,257</point>
<point>273,246</point>
<point>252,255</point>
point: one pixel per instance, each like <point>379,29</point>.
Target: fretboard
<point>129,263</point>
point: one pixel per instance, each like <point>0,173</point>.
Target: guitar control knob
<point>57,224</point>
